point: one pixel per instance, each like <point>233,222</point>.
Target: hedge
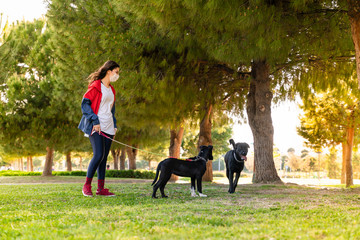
<point>144,174</point>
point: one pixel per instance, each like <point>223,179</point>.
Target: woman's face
<point>115,71</point>
<point>114,75</point>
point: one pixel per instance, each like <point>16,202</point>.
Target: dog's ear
<point>247,145</point>
<point>210,146</point>
<point>232,143</point>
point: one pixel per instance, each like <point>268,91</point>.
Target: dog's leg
<point>163,184</point>
<point>231,183</point>
<point>199,187</point>
<point>193,193</point>
<point>158,184</point>
<point>236,180</point>
<point>155,188</point>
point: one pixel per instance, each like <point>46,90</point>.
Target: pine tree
<point>354,15</point>
<point>274,39</point>
<point>158,87</point>
<point>32,115</point>
<point>331,118</point>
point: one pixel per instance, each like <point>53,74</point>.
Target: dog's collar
<point>236,158</point>
<point>200,158</point>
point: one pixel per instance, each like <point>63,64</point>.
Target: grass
<point>59,211</point>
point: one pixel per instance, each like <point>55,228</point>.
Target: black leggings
<point>101,147</point>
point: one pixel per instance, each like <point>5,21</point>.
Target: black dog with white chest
<point>194,168</point>
<point>234,160</point>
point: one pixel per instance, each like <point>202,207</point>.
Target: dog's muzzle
<point>242,158</point>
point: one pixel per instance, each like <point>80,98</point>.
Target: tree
<point>294,161</point>
<point>329,119</point>
<point>272,39</point>
<point>113,40</point>
<point>332,165</point>
<point>308,161</point>
<point>356,165</point>
<point>157,80</point>
<point>32,110</point>
<point>354,15</point>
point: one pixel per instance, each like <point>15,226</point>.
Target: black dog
<point>234,160</point>
<point>194,168</point>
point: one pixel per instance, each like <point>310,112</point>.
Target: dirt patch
<point>298,196</point>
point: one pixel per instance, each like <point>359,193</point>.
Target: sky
<point>22,9</point>
<point>285,116</point>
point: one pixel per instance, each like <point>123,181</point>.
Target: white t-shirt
<point>104,114</point>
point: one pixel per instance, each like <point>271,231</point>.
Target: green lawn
<point>59,211</point>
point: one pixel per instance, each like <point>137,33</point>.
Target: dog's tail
<point>157,173</point>
<point>232,143</point>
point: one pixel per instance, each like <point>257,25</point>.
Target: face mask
<point>114,77</point>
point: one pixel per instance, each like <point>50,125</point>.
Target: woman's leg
<point>106,149</point>
<point>97,144</point>
<point>102,168</point>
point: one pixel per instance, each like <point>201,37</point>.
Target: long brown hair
<point>101,72</point>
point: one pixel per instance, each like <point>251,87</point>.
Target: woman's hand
<point>96,128</point>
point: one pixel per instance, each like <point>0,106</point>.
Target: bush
<point>72,173</point>
<point>19,173</point>
<point>109,173</point>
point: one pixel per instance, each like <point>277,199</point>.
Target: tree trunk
<point>122,159</point>
<point>349,144</point>
<point>205,139</point>
<point>116,154</point>
<point>68,162</point>
<point>354,15</point>
<point>28,168</point>
<point>132,157</point>
<point>176,136</point>
<point>21,164</point>
<point>48,162</point>
<point>343,170</point>
<point>80,163</point>
<point>258,109</point>
<point>31,164</point>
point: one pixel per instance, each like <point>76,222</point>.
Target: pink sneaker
<point>87,191</point>
<point>104,192</point>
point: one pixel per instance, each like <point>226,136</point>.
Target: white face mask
<point>114,77</point>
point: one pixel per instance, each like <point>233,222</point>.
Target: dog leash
<point>188,159</point>
<point>104,135</point>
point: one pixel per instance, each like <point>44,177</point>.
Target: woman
<point>98,108</point>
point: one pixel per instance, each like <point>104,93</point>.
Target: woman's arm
<point>88,112</point>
